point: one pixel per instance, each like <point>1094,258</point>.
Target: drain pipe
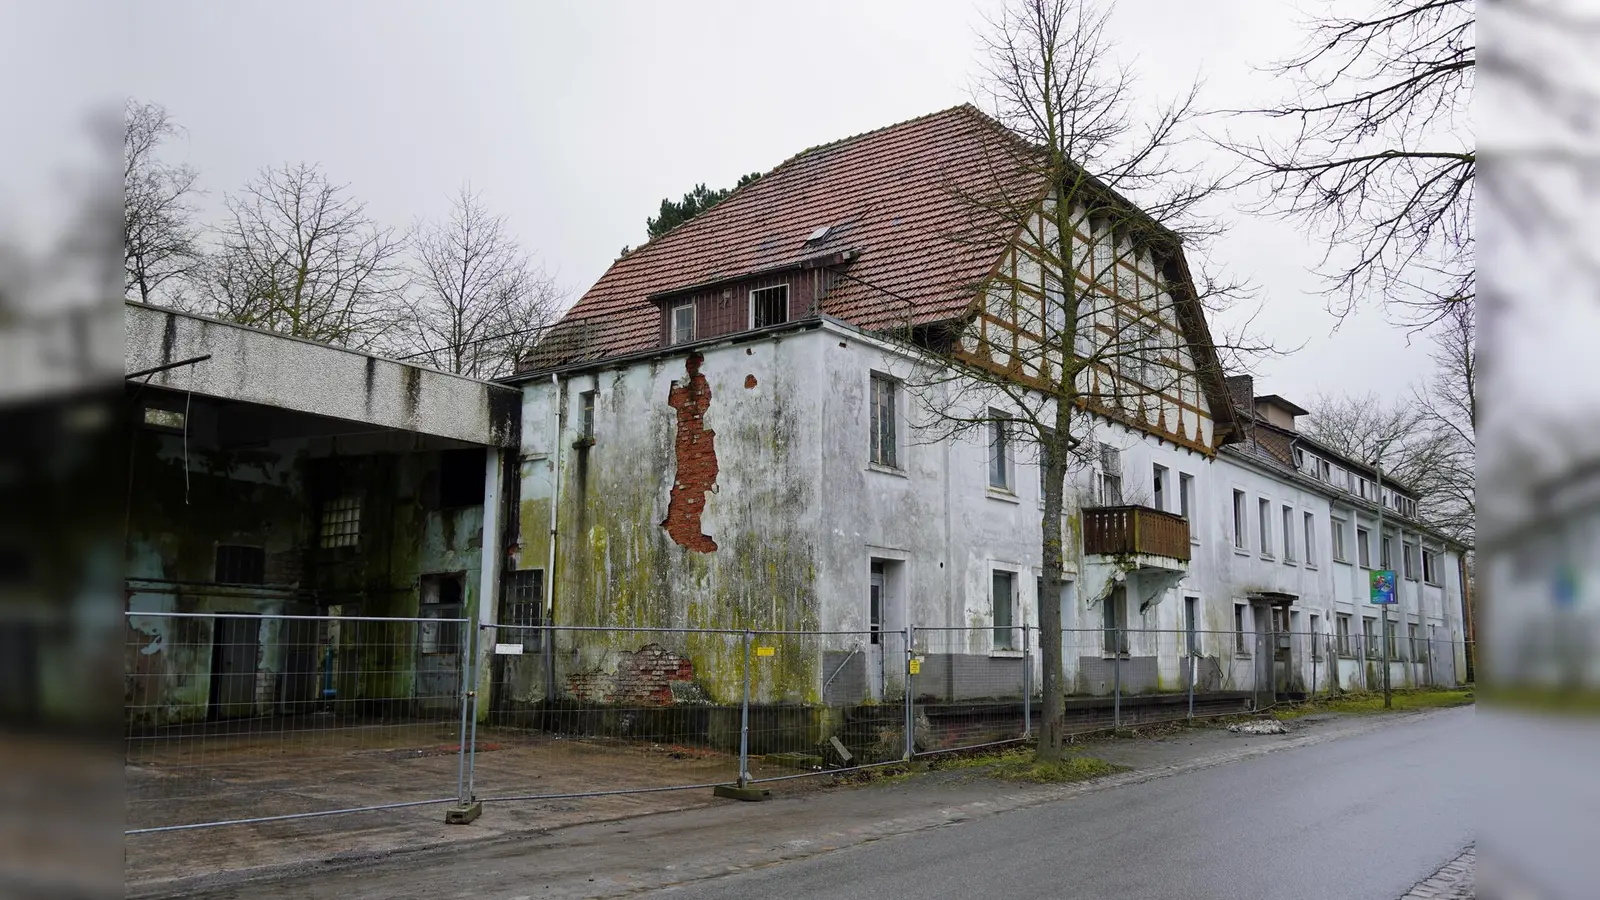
<point>547,638</point>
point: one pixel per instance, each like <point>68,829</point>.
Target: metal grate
<point>341,522</point>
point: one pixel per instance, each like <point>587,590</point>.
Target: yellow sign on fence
<point>766,651</point>
<point>915,666</point>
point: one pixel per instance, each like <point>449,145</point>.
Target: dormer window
<point>682,323</point>
<point>769,306</point>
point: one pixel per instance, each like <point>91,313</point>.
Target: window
<point>341,522</point>
<point>875,603</point>
<point>1369,637</point>
<point>1364,547</point>
<point>1159,487</point>
<point>461,477</point>
<point>1408,553</point>
<point>1147,363</point>
<point>1384,556</point>
<point>1114,618</point>
<point>1419,647</point>
<point>883,415</point>
<point>164,418</point>
<point>1288,534</point>
<point>1240,646</point>
<point>1324,472</point>
<point>1430,566</point>
<point>999,451</point>
<point>769,306</point>
<point>1004,599</point>
<point>1191,625</point>
<point>1310,527</point>
<point>586,415</point>
<point>1394,637</point>
<point>1341,634</point>
<point>1264,519</point>
<point>1110,476</point>
<point>1186,497</point>
<point>1238,520</point>
<point>441,599</point>
<point>241,565</point>
<point>682,330</point>
<point>522,609</point>
<point>1336,528</point>
<point>1316,636</point>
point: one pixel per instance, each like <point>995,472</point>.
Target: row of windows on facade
<point>1116,635</point>
<point>1352,483</point>
<point>1424,565</point>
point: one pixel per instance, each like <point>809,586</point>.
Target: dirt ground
<point>221,777</point>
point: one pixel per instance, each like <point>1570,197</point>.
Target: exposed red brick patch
<point>749,382</point>
<point>696,452</point>
<point>643,678</point>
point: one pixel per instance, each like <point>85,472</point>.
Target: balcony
<point>1136,532</point>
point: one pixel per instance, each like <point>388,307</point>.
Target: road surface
<point>1362,818</point>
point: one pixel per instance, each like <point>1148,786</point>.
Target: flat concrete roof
<point>252,365</point>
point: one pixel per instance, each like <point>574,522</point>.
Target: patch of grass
<point>1582,700</point>
<point>1360,704</point>
<point>1026,767</point>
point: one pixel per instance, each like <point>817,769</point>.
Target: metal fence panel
<point>240,718</point>
<point>971,687</point>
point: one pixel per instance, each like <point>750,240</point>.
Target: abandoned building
<point>720,434</point>
<point>723,435</point>
<point>273,475</point>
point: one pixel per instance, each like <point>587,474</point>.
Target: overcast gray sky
<point>574,120</point>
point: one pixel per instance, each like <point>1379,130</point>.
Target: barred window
<point>769,306</point>
<point>341,522</point>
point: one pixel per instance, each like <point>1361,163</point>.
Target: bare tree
<point>159,239</point>
<point>1377,153</point>
<point>478,302</point>
<point>299,255</point>
<point>1092,315</point>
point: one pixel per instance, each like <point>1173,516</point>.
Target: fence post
<point>1027,686</point>
<point>466,809</point>
<point>1116,676</point>
<point>1194,673</point>
<point>1315,653</point>
<point>911,714</point>
<point>744,720</point>
<point>477,706</point>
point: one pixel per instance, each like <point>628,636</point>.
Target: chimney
<point>1242,390</point>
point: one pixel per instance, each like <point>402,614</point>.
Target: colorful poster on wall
<point>1383,586</point>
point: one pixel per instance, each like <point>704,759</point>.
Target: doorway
<point>439,650</point>
<point>235,648</point>
<point>885,622</point>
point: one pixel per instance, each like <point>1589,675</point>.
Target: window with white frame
<point>1239,528</point>
<point>1004,597</point>
<point>1309,526</point>
<point>883,449</point>
<point>1110,476</point>
<point>1408,553</point>
<point>769,306</point>
<point>1336,528</point>
<point>1385,556</point>
<point>1369,638</point>
<point>1241,646</point>
<point>1186,498</point>
<point>999,451</point>
<point>1264,520</point>
<point>1364,547</point>
<point>682,323</point>
<point>1419,647</point>
<point>1430,566</point>
<point>1341,634</point>
<point>1316,637</point>
<point>1191,625</point>
<point>1158,482</point>
<point>1288,534</point>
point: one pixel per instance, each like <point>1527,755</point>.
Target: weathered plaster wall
<point>187,495</point>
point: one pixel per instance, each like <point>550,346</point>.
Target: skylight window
<point>819,234</point>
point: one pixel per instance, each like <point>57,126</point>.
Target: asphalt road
<point>1363,818</point>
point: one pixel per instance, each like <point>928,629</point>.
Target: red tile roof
<point>894,196</point>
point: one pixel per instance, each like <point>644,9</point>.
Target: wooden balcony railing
<point>1114,530</point>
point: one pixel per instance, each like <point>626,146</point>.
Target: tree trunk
<point>1051,724</point>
